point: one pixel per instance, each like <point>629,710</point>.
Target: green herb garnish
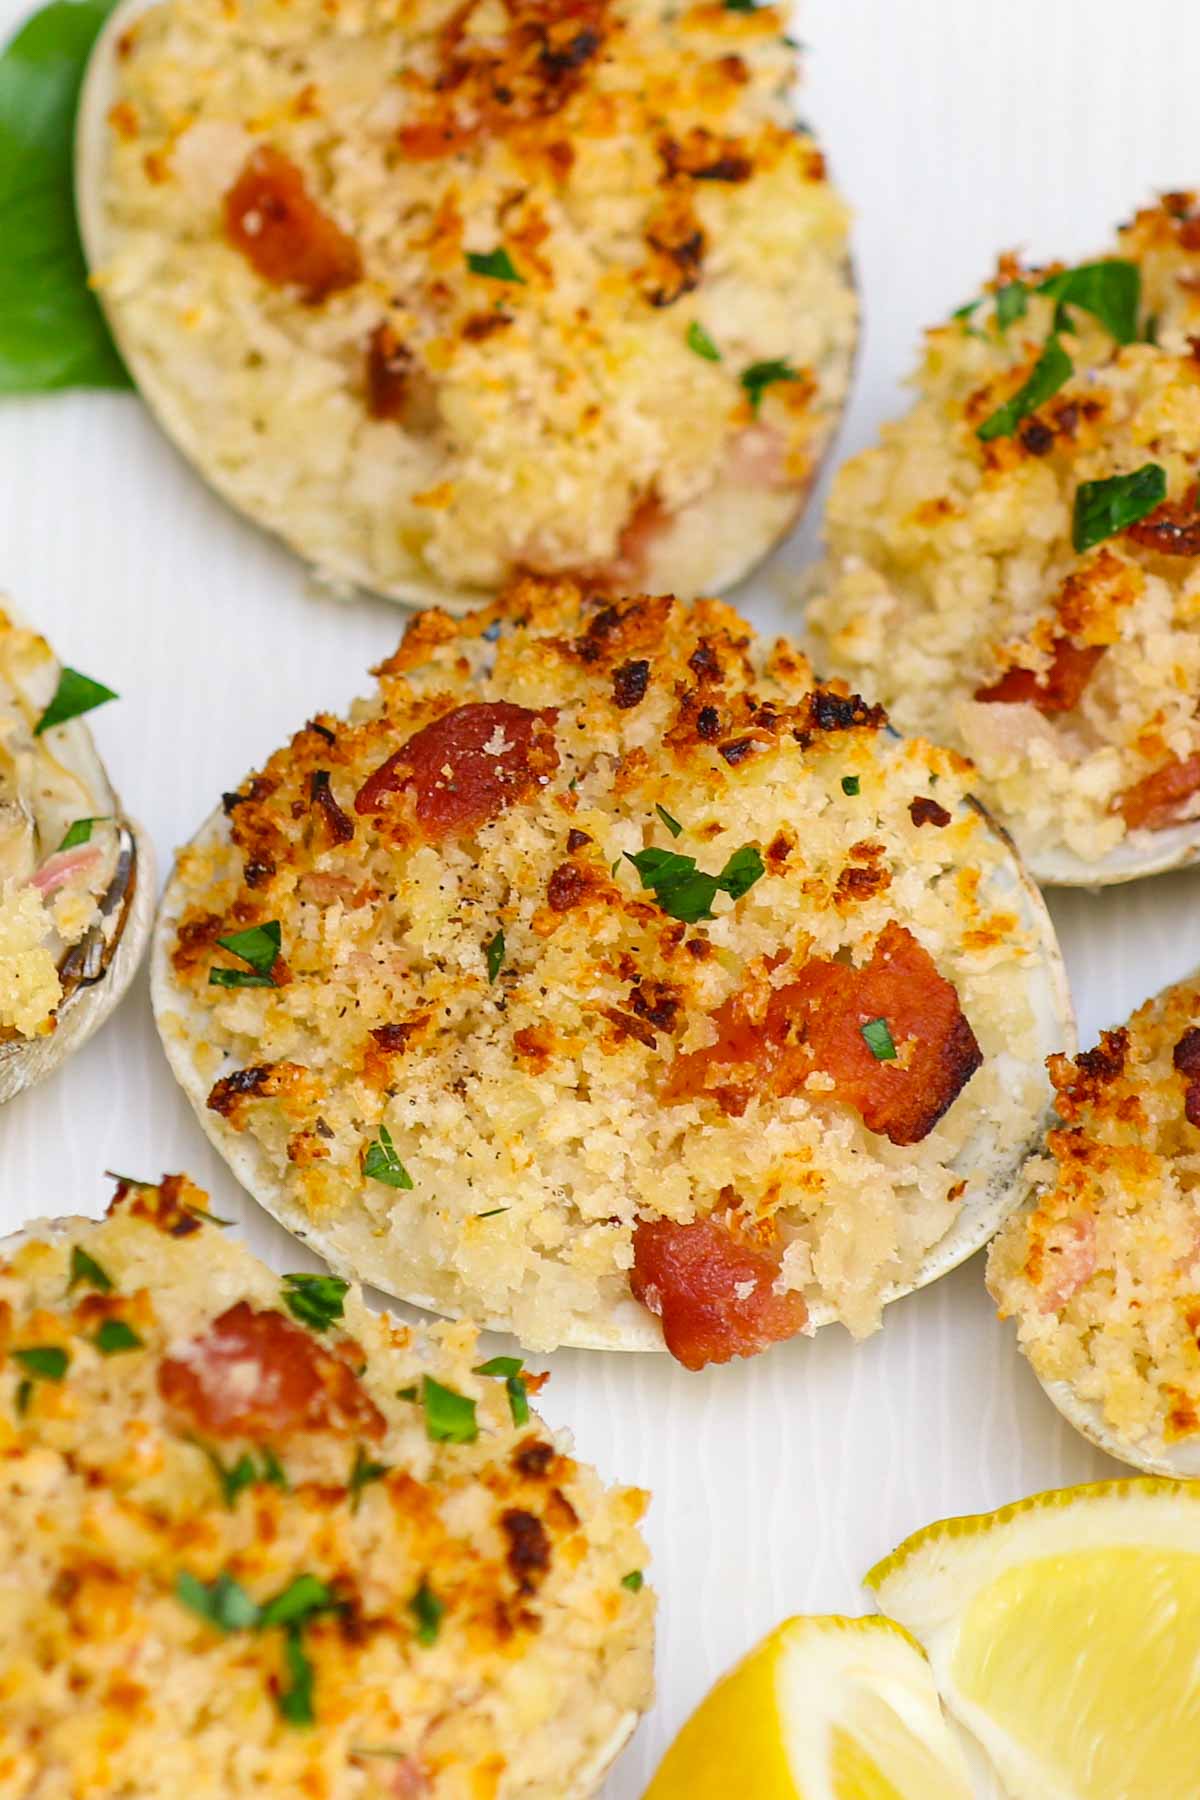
<point>295,1700</point>
<point>114,1336</point>
<point>316,1300</point>
<point>850,785</point>
<point>273,1472</point>
<point>449,1417</point>
<point>878,1038</point>
<point>509,1369</point>
<point>24,1396</point>
<point>1102,508</point>
<point>1012,303</point>
<point>81,832</point>
<point>493,950</point>
<point>86,1268</point>
<point>259,948</point>
<point>672,825</point>
<point>241,1474</point>
<point>762,375</point>
<point>493,1212</point>
<point>635,1581</point>
<point>52,331</point>
<point>223,1602</point>
<point>1051,371</point>
<point>381,1162</point>
<point>299,1601</point>
<point>699,341</point>
<point>75,694</point>
<point>427,1611</point>
<point>362,1474</point>
<point>497,265</point>
<point>686,892</point>
<point>1110,290</point>
<point>45,1362</point>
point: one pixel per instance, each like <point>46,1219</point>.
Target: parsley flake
<point>1012,303</point>
<point>259,948</point>
<point>699,341</point>
<point>494,952</point>
<point>239,1475</point>
<point>878,1039</point>
<point>509,1369</point>
<point>1052,371</point>
<point>223,1603</point>
<point>75,694</point>
<point>295,1701</point>
<point>114,1336</point>
<point>762,375</point>
<point>427,1611</point>
<point>299,1601</point>
<point>316,1300</point>
<point>45,1362</point>
<point>362,1474</point>
<point>850,785</point>
<point>635,1581</point>
<point>86,1268</point>
<point>81,831</point>
<point>672,825</point>
<point>449,1417</point>
<point>1110,290</point>
<point>497,265</point>
<point>273,1472</point>
<point>381,1162</point>
<point>686,892</point>
<point>1102,508</point>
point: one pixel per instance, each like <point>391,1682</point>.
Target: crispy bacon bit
<point>1069,1259</point>
<point>1160,798</point>
<point>716,1297</point>
<point>630,682</point>
<point>340,827</point>
<point>566,887</point>
<point>1172,529</point>
<point>271,217</point>
<point>389,370</point>
<point>528,1548</point>
<point>256,1374</point>
<point>815,1022</point>
<point>923,810</point>
<point>1186,1057</point>
<point>629,1025</point>
<point>657,1002</point>
<point>828,711</point>
<point>1059,690</point>
<point>467,767</point>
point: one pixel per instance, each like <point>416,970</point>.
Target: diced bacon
<point>1069,1259</point>
<point>815,1023</point>
<point>467,767</point>
<point>323,888</point>
<point>1059,690</point>
<point>1172,529</point>
<point>1160,798</point>
<point>63,866</point>
<point>716,1297</point>
<point>271,217</point>
<point>1186,1058</point>
<point>256,1374</point>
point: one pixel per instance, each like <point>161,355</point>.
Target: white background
<point>956,128</point>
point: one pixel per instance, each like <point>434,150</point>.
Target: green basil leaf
<point>1052,371</point>
<point>86,1268</point>
<point>494,952</point>
<point>449,1417</point>
<point>509,1368</point>
<point>762,375</point>
<point>1110,290</point>
<point>1102,508</point>
<point>699,341</point>
<point>81,831</point>
<point>427,1611</point>
<point>687,893</point>
<point>878,1038</point>
<point>52,331</point>
<point>46,1362</point>
<point>238,978</point>
<point>75,694</point>
<point>114,1336</point>
<point>497,265</point>
<point>316,1300</point>
<point>381,1162</point>
<point>740,873</point>
<point>672,825</point>
<point>258,946</point>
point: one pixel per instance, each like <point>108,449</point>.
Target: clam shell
<point>992,1170</point>
<point>1144,853</point>
<point>92,136</point>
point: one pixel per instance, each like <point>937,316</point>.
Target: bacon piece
<point>467,767</point>
<point>816,1021</point>
<point>256,1374</point>
<point>271,217</point>
<point>1186,1057</point>
<point>1069,1259</point>
<point>715,1297</point>
<point>389,372</point>
<point>60,868</point>
<point>1061,687</point>
<point>1172,529</point>
<point>1157,800</point>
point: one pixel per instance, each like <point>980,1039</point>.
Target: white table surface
<point>957,129</point>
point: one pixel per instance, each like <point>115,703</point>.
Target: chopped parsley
<point>509,1369</point>
<point>449,1417</point>
<point>24,1396</point>
<point>672,825</point>
<point>427,1611</point>
<point>381,1162</point>
<point>316,1300</point>
<point>114,1336</point>
<point>81,831</point>
<point>1051,371</point>
<point>225,1604</point>
<point>259,948</point>
<point>635,1581</point>
<point>1102,508</point>
<point>243,1473</point>
<point>497,265</point>
<point>1110,290</point>
<point>494,952</point>
<point>878,1039</point>
<point>686,892</point>
<point>1012,303</point>
<point>762,375</point>
<point>273,1471</point>
<point>699,341</point>
<point>742,6</point>
<point>850,784</point>
<point>299,1601</point>
<point>295,1701</point>
<point>45,1362</point>
<point>86,1268</point>
<point>362,1474</point>
<point>75,694</point>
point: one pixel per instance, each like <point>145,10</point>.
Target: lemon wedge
<point>822,1709</point>
<point>1064,1632</point>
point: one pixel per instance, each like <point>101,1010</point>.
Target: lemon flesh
<point>822,1709</point>
<point>1065,1633</point>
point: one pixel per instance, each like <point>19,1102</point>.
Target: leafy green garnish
<point>741,6</point>
<point>258,946</point>
<point>1102,508</point>
<point>699,341</point>
<point>850,785</point>
<point>762,375</point>
<point>45,1362</point>
<point>635,1581</point>
<point>878,1038</point>
<point>316,1300</point>
<point>381,1162</point>
<point>672,825</point>
<point>243,1473</point>
<point>686,892</point>
<point>1012,303</point>
<point>449,1417</point>
<point>223,1602</point>
<point>52,332</point>
<point>494,952</point>
<point>24,1396</point>
<point>86,1268</point>
<point>81,832</point>
<point>114,1336</point>
<point>295,1701</point>
<point>362,1474</point>
<point>496,264</point>
<point>273,1472</point>
<point>75,694</point>
<point>509,1368</point>
<point>298,1601</point>
<point>1051,371</point>
<point>1110,290</point>
<point>427,1611</point>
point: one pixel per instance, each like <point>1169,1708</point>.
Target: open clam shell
<point>95,902</point>
<point>707,544</point>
